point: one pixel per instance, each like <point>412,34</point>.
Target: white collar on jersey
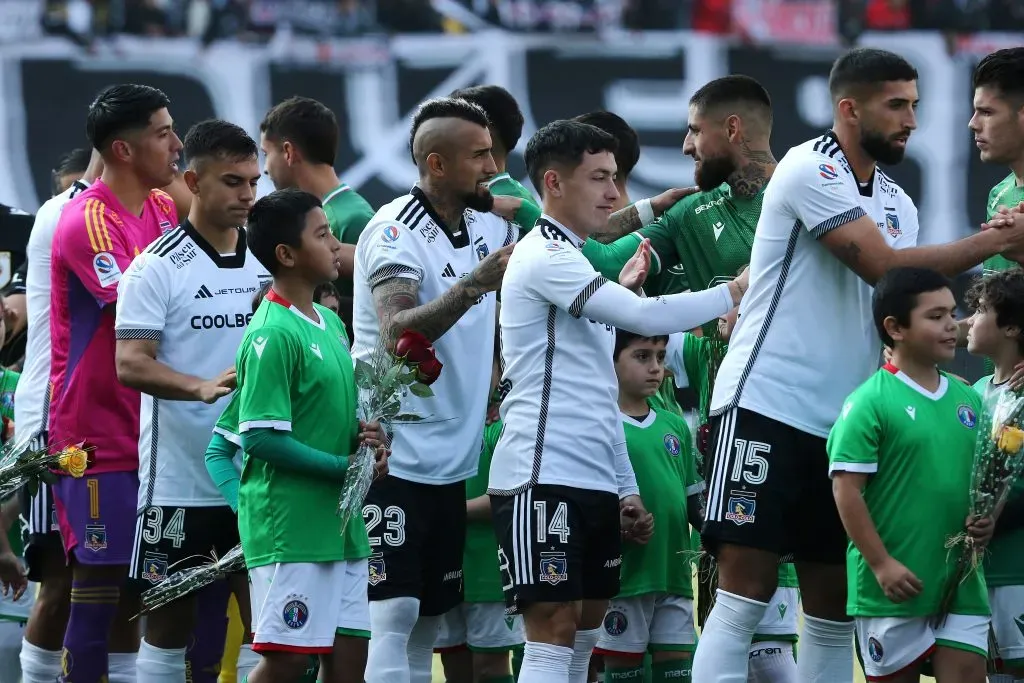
<point>554,230</point>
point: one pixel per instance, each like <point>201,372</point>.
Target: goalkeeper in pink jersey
<point>100,231</point>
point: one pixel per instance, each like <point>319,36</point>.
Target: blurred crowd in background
<point>254,20</point>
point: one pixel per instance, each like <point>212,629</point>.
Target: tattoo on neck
<point>449,211</point>
<point>753,174</point>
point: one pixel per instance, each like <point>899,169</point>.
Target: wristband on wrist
<point>645,211</point>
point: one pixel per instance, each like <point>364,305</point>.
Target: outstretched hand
<point>634,273</point>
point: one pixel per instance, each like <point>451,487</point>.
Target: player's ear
<point>893,328</point>
<point>191,179</point>
<point>435,164</point>
<point>285,255</point>
<point>846,109</point>
<point>552,183</point>
<point>121,150</point>
<point>734,128</point>
<point>291,154</point>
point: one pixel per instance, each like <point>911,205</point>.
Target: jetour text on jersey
<point>220,321</point>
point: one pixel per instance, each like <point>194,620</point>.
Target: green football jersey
<point>1004,559</point>
<point>666,472</point>
<point>696,358</point>
<point>227,423</point>
<point>703,240</point>
<point>347,214</point>
<point>918,448</point>
<point>481,578</point>
<point>505,185</point>
<point>8,383</point>
<point>1006,193</point>
<point>295,374</point>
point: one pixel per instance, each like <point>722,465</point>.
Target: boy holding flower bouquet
<point>901,456</point>
<point>996,333</point>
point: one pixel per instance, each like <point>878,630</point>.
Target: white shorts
<point>19,611</point>
<point>483,626</point>
<point>300,606</point>
<point>656,621</point>
<point>780,619</point>
<point>1007,604</point>
<point>890,644</point>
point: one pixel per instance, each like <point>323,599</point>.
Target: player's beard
<point>479,201</point>
<point>713,171</point>
<point>881,148</point>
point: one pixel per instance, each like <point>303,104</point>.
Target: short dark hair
<point>74,162</point>
<point>445,108</point>
<point>896,295</point>
<point>217,139</point>
<point>261,293</point>
<point>731,91</point>
<point>867,68</point>
<point>278,218</point>
<point>564,142</point>
<point>501,109</point>
<point>623,338</point>
<point>628,153</point>
<point>1003,70</point>
<point>326,289</point>
<point>306,123</point>
<point>1003,292</point>
<point>121,108</point>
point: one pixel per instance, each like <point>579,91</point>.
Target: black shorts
<point>573,554</point>
<point>769,489</point>
<point>170,538</point>
<point>417,536</point>
<point>42,534</point>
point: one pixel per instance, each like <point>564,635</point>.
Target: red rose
<point>413,347</point>
<point>429,370</point>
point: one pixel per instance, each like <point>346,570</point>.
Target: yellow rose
<point>1010,440</point>
<point>74,461</point>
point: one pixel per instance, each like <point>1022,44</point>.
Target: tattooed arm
<point>395,300</point>
<point>628,220</point>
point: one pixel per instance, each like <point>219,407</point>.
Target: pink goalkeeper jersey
<point>95,241</point>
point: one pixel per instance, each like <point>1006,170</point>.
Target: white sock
<point>39,665</point>
<point>121,667</point>
<point>826,651</point>
<point>156,665</point>
<point>421,649</point>
<point>584,645</point>
<point>1001,678</point>
<point>247,661</point>
<point>772,661</point>
<point>543,663</point>
<point>391,624</point>
<point>724,645</point>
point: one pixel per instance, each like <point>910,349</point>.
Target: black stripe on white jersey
<point>828,145</point>
<point>166,243</point>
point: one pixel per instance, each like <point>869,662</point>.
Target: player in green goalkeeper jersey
<point>998,127</point>
<point>707,236</point>
<point>997,333</point>
<point>298,428</point>
<point>653,611</point>
<point>693,358</point>
<point>900,456</point>
<point>299,138</point>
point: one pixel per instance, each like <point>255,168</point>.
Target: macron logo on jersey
<point>315,348</point>
<point>912,412</point>
<point>718,228</point>
<point>257,345</point>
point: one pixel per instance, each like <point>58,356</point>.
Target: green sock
<point>499,679</point>
<point>517,660</point>
<point>677,671</point>
<point>648,662</point>
<point>632,674</point>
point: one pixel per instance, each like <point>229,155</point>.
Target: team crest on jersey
<point>482,251</point>
<point>389,234</point>
<point>7,400</point>
<point>966,415</point>
<point>741,507</point>
<point>553,568</point>
<point>892,225</point>
<point>96,537</point>
<point>828,171</point>
<point>615,623</point>
<point>295,612</point>
<point>154,567</point>
<point>875,650</point>
<point>672,444</point>
<point>376,567</point>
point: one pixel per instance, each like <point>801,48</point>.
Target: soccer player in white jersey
<point>430,261</point>
<point>181,313</point>
<point>830,226</point>
<point>44,554</point>
<point>561,477</point>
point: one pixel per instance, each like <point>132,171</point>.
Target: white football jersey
<point>805,337</point>
<point>407,239</point>
<point>560,410</point>
<point>31,398</point>
<point>196,303</point>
